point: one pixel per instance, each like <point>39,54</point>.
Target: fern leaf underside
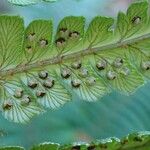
<point>39,70</point>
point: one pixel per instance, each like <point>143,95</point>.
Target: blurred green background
<point>114,115</point>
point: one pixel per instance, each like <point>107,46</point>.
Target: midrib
<point>57,60</point>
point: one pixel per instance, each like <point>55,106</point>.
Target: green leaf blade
<point>98,31</point>
<point>38,40</point>
<point>11,35</point>
<point>134,21</point>
<point>40,70</point>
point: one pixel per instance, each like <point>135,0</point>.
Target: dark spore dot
<point>111,75</point>
<point>91,81</point>
<point>32,85</point>
<point>31,37</point>
<point>65,76</point>
<point>104,146</point>
<point>7,105</point>
<point>121,61</point>
<point>43,75</point>
<point>118,62</point>
<point>18,93</point>
<point>74,34</point>
<point>137,139</point>
<point>145,65</point>
<point>76,65</point>
<point>123,142</point>
<point>83,72</point>
<point>65,73</point>
<point>136,20</point>
<point>91,147</point>
<point>29,49</point>
<point>63,30</point>
<point>49,83</point>
<point>26,100</point>
<point>76,147</point>
<point>76,83</point>
<point>32,34</point>
<point>40,94</point>
<point>43,43</point>
<point>101,65</point>
<point>60,42</point>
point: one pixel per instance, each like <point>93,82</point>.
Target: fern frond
<point>39,70</point>
<point>138,141</point>
<point>28,2</point>
<point>12,148</point>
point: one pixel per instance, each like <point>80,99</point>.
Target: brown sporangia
<point>90,81</point>
<point>92,147</point>
<point>31,37</point>
<point>43,43</point>
<point>29,49</point>
<point>7,105</point>
<point>136,20</point>
<point>76,147</point>
<point>60,42</point>
<point>74,34</point>
<point>76,83</point>
<point>25,100</point>
<point>118,62</point>
<point>63,30</point>
<point>76,65</point>
<point>32,84</point>
<point>65,73</point>
<point>83,72</point>
<point>111,75</point>
<point>145,65</point>
<point>18,93</point>
<point>101,65</point>
<point>49,83</point>
<point>43,75</point>
<point>40,93</point>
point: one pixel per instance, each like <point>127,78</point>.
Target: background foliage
<point>114,115</point>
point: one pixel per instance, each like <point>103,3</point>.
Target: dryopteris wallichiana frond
<point>38,70</point>
<point>138,141</point>
<point>28,2</point>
